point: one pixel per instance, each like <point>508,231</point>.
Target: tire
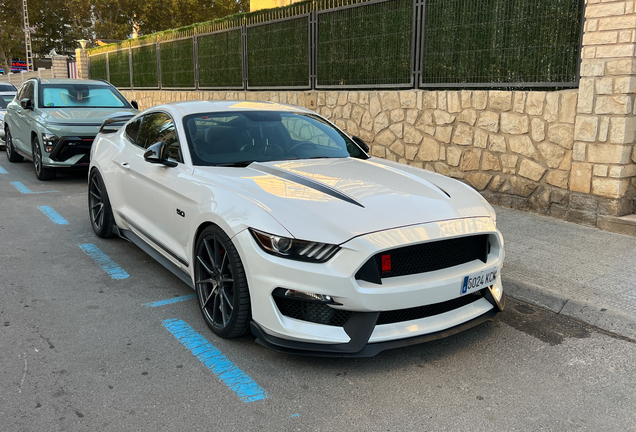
<point>41,172</point>
<point>99,209</point>
<point>221,284</point>
<point>12,155</point>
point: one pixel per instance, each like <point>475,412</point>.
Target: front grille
<point>71,146</point>
<point>310,311</point>
<point>395,316</point>
<point>425,257</point>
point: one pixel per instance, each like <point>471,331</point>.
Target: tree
<point>11,34</point>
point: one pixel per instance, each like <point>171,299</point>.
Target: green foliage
<point>366,45</point>
<point>501,41</point>
<point>144,63</point>
<point>177,63</point>
<point>97,67</point>
<point>278,53</point>
<point>119,68</point>
<point>220,59</point>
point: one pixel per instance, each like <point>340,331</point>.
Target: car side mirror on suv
<point>26,103</point>
<point>134,104</point>
<point>157,153</point>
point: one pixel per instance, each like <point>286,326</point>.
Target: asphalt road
<point>82,350</point>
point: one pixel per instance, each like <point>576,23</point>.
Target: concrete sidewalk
<point>571,269</point>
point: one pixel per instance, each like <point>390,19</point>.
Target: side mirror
<point>26,103</point>
<point>361,143</point>
<point>157,153</point>
<point>134,104</point>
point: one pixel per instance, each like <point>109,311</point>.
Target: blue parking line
<point>170,301</point>
<point>221,366</point>
<point>25,190</point>
<point>3,171</point>
<point>53,215</point>
<point>103,261</point>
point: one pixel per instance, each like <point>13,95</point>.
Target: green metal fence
<point>361,44</point>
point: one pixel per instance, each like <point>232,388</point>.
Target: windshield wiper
<point>240,164</point>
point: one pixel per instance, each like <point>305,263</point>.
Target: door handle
<point>125,165</point>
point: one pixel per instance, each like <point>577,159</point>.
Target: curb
<point>606,319</point>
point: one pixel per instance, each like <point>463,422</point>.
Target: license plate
<point>476,281</point>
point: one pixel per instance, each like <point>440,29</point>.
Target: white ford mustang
<point>286,227</point>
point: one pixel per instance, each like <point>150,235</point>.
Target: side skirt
<point>135,239</point>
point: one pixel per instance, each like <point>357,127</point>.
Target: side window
<point>159,127</point>
<point>132,130</point>
<point>28,91</point>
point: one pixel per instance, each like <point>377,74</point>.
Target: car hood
<point>334,200</point>
<point>88,117</point>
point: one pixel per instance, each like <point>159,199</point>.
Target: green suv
<point>53,122</point>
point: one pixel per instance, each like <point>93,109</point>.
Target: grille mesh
<point>314,312</point>
<point>395,316</point>
<point>427,257</point>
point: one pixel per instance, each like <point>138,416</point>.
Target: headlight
<point>300,250</point>
<point>49,141</point>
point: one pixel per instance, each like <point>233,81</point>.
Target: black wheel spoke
<point>211,256</point>
<point>205,266</point>
<point>204,281</point>
<point>227,299</point>
<point>97,216</point>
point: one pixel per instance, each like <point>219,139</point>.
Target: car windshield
<point>80,96</point>
<point>4,100</point>
<point>7,87</point>
<point>241,137</point>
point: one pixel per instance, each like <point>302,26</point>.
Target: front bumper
<point>336,278</point>
<point>69,152</point>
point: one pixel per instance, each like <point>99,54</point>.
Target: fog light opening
<point>495,295</point>
<point>48,149</point>
<point>304,295</point>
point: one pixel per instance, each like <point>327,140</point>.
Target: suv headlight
<point>48,141</point>
<point>291,248</point>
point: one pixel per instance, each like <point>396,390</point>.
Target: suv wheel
<point>40,172</point>
<point>12,155</point>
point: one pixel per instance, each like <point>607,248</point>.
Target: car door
<point>149,190</point>
<point>20,127</point>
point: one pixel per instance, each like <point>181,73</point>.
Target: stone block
<point>480,99</point>
<point>522,187</point>
<point>429,150</point>
<point>408,99</point>
<point>390,100</point>
<point>398,148</point>
<point>586,96</point>
<point>397,129</point>
<point>561,134</point>
<point>385,138</point>
<point>608,153</point>
<point>364,99</point>
<point>467,98</point>
<point>366,122</point>
<point>509,163</point>
<point>516,124</point>
<point>454,102</point>
<point>614,51</point>
<point>619,104</point>
<point>397,115</point>
<point>531,170</point>
<point>553,154</point>
<point>617,23</point>
<point>468,116</point>
<point>621,67</point>
<point>343,98</point>
<point>581,177</point>
<point>411,135</point>
<point>356,114</point>
<point>568,107</point>
<point>622,130</point>
<point>625,85</point>
<point>558,179</point>
<point>600,38</point>
<point>489,121</point>
<point>582,218</point>
<point>534,103</point>
<point>353,97</point>
<point>592,67</point>
<point>560,196</point>
<point>496,183</point>
<point>331,99</point>
<point>411,116</point>
<point>604,86</point>
<point>378,151</point>
<point>490,162</point>
<point>374,104</point>
<point>470,160</point>
<point>600,170</point>
<point>442,100</point>
<point>443,118</point>
<point>579,152</point>
<point>478,180</point>
<point>453,154</point>
<point>480,139</point>
<point>603,129</point>
<point>500,100</point>
<point>557,211</point>
<point>463,135</point>
<point>522,144</point>
<point>429,100</point>
<point>410,152</point>
<point>537,129</point>
<point>584,202</point>
<point>604,10</point>
<point>519,102</point>
<point>551,111</point>
<point>442,153</point>
<point>441,168</point>
<point>496,143</point>
<point>586,128</point>
<point>610,188</point>
<point>443,134</point>
<point>381,122</point>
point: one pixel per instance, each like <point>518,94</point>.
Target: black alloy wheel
<point>99,209</point>
<point>12,155</point>
<point>41,172</point>
<point>221,284</point>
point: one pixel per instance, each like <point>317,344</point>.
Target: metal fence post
<point>195,55</point>
<point>107,67</point>
<point>130,68</point>
<point>159,64</point>
<point>244,49</point>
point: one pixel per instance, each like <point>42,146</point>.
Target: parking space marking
<point>170,301</point>
<point>53,215</point>
<point>102,260</point>
<point>220,365</point>
<point>25,190</point>
<point>3,171</point>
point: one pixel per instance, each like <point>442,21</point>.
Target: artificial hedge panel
<point>220,59</point>
<point>278,54</point>
<point>144,63</point>
<point>97,67</point>
<point>366,45</point>
<point>119,68</point>
<point>501,41</point>
<point>177,63</point>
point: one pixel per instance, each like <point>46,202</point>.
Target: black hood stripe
<point>305,181</point>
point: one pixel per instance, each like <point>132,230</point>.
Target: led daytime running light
<point>300,250</point>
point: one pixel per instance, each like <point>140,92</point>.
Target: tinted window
<point>239,136</point>
<point>81,95</point>
<point>4,101</point>
<point>26,91</point>
<point>7,87</point>
<point>159,127</point>
<point>132,130</point>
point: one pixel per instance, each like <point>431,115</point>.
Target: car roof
<point>185,108</point>
<point>72,81</point>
